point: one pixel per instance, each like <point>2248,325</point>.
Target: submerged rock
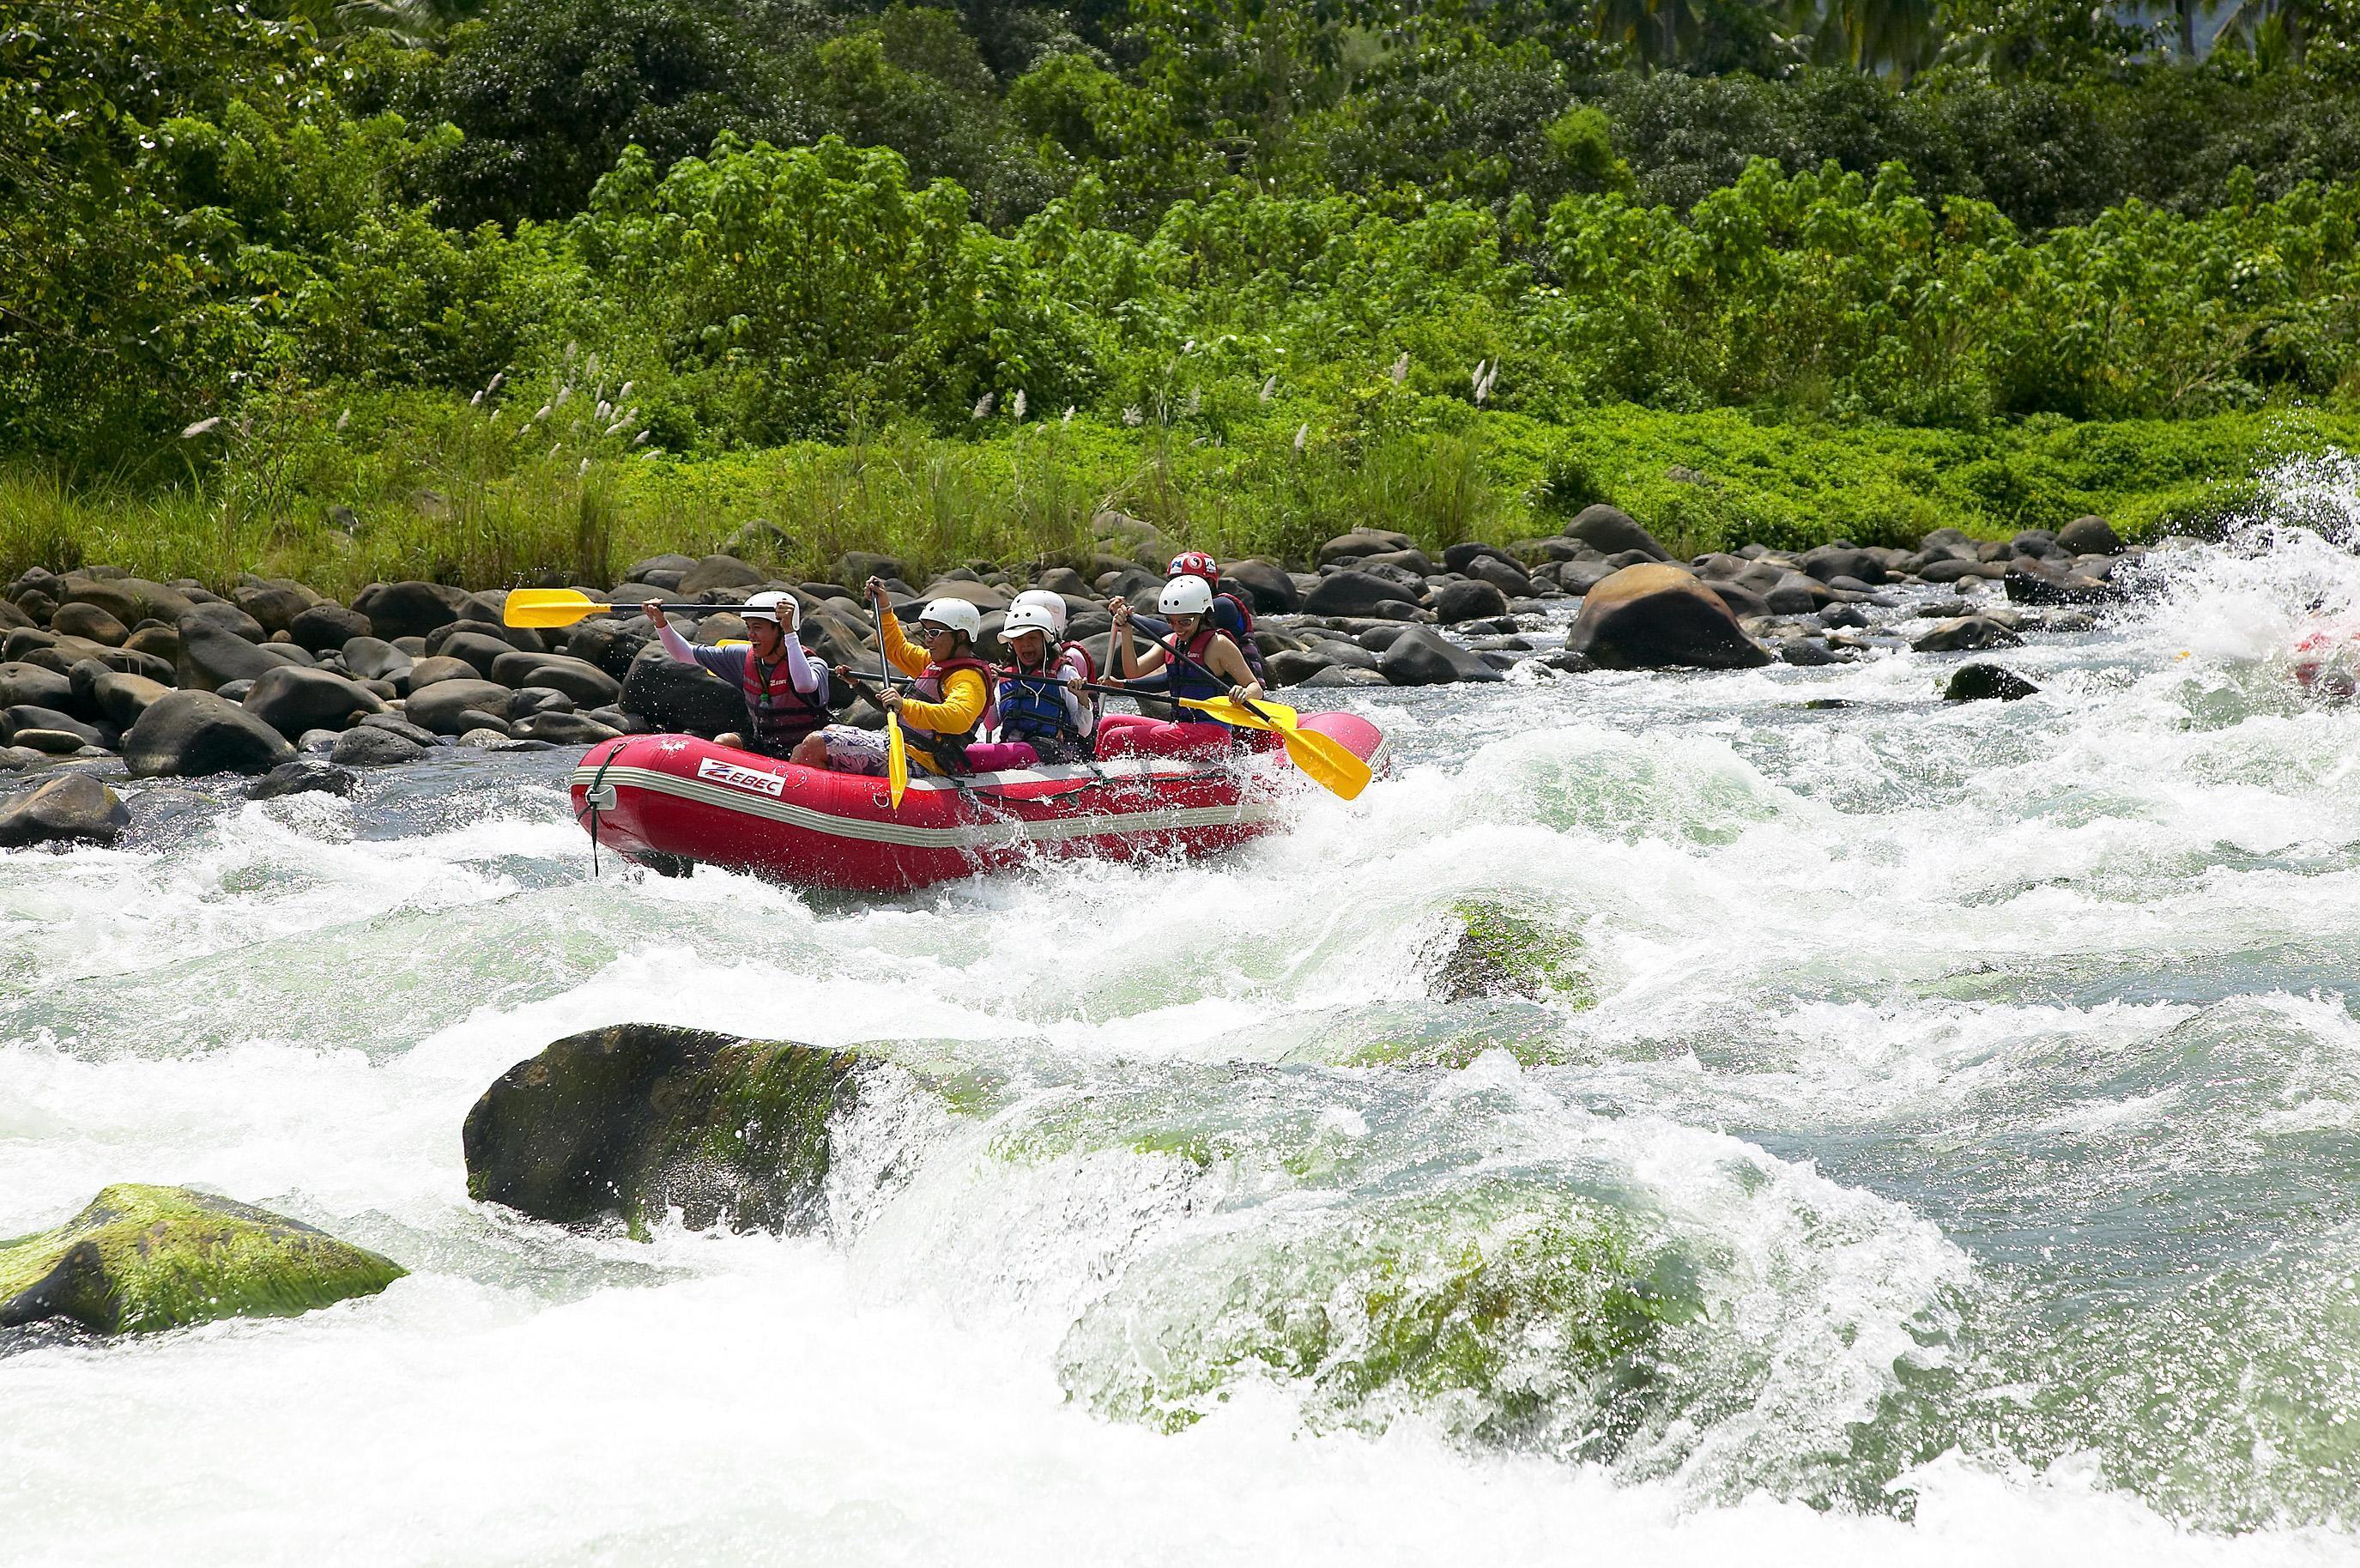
<point>1498,953</point>
<point>141,1258</point>
<point>638,1119</point>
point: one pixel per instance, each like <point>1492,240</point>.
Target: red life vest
<point>777,715</point>
<point>949,752</point>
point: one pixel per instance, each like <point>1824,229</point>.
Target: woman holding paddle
<point>1200,659</point>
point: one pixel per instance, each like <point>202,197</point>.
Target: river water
<point>1956,1157</point>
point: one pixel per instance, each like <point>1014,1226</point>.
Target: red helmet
<point>1194,563</point>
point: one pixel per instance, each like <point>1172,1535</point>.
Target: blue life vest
<point>1194,679</point>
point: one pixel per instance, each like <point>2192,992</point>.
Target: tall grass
<point>448,498</point>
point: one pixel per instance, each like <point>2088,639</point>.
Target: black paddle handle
<point>1174,654</point>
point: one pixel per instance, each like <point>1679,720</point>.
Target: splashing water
<point>1960,1159</point>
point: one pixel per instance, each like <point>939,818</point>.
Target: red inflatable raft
<point>667,801</point>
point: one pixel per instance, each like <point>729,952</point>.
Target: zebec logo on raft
<point>760,780</point>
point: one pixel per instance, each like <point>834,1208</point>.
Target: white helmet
<point>1185,596</point>
<point>1052,605</point>
<point>1024,617</point>
<point>780,609</point>
<point>954,615</point>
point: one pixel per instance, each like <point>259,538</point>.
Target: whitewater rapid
<point>1982,1079</point>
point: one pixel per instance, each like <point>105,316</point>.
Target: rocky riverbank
<point>273,678</point>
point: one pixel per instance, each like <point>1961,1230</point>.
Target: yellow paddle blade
<point>1326,761</point>
<point>1263,715</point>
<point>551,607</point>
<point>896,763</point>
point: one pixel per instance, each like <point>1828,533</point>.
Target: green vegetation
<point>484,291</point>
<point>140,1258</point>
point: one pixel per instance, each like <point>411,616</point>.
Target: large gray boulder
<point>129,600</point>
<point>87,621</point>
<point>680,697</point>
<point>1964,633</point>
<point>212,655</point>
<point>1269,589</point>
<point>274,603</point>
<point>35,684</point>
<point>364,746</point>
<point>582,681</point>
<point>373,658</point>
<point>477,649</point>
<point>74,808</point>
<point>634,1121</point>
<point>1611,530</point>
<point>1356,593</point>
<point>2088,536</point>
<point>26,717</point>
<point>323,627</point>
<point>1423,657</point>
<point>1472,600</point>
<point>723,574</point>
<point>1659,616</point>
<point>453,707</point>
<point>291,701</point>
<point>111,695</point>
<point>189,733</point>
<point>409,608</point>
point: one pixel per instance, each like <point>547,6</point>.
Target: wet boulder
<point>1611,531</point>
<point>189,733</point>
<point>409,608</point>
<point>1423,657</point>
<point>680,697</point>
<point>293,700</point>
<point>1965,632</point>
<point>1469,600</point>
<point>453,707</point>
<point>305,775</point>
<point>564,730</point>
<point>72,809</point>
<point>142,1258</point>
<point>1658,616</point>
<point>633,1121</point>
<point>1986,683</point>
<point>364,746</point>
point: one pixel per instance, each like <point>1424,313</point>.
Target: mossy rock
<point>1518,1315</point>
<point>141,1258</point>
<point>1498,953</point>
<point>636,1120</point>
